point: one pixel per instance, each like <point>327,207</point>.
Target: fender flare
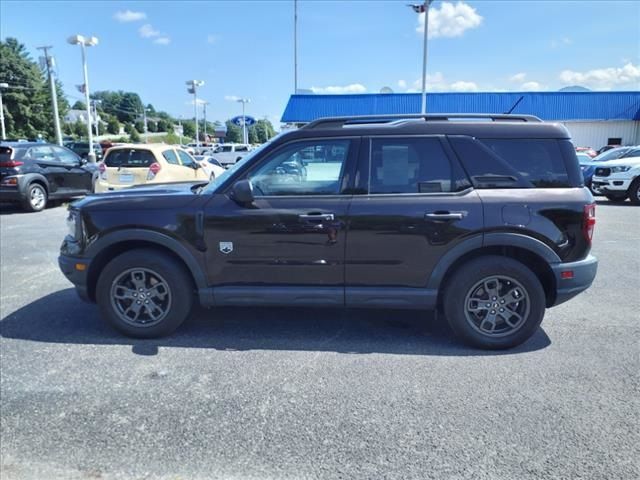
<point>151,236</point>
<point>28,178</point>
<point>505,239</point>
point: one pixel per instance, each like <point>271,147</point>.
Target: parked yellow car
<point>128,165</point>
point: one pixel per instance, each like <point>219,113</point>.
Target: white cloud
<point>450,20</point>
<point>162,41</point>
<point>147,31</point>
<point>531,87</point>
<point>462,86</point>
<point>564,41</point>
<point>231,98</point>
<point>402,83</point>
<point>352,88</point>
<point>604,78</point>
<point>212,38</point>
<point>129,16</point>
<point>518,77</point>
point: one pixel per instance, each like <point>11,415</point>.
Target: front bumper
<point>76,270</point>
<point>584,272</point>
<point>10,194</point>
<point>612,183</point>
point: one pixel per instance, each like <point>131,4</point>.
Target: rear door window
<point>412,165</point>
<point>171,157</point>
<point>42,153</point>
<point>538,161</point>
<point>185,159</point>
<point>66,156</point>
<point>132,158</point>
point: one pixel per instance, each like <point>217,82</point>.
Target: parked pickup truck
<point>229,153</point>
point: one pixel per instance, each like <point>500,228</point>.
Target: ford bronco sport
<point>483,217</point>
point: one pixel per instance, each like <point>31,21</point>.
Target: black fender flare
<point>28,178</point>
<point>151,236</point>
<point>505,239</point>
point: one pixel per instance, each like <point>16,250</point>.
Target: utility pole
<point>4,133</point>
<point>49,62</point>
<point>95,116</point>
<point>295,46</point>
<point>204,114</point>
<point>146,130</point>
<point>193,88</point>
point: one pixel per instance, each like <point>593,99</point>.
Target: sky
<point>245,48</point>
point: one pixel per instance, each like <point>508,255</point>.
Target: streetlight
<point>86,42</point>
<point>424,8</point>
<point>4,133</point>
<point>193,88</point>
<point>204,114</point>
<point>244,119</point>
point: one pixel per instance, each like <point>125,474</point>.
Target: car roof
<point>481,126</point>
<point>153,147</point>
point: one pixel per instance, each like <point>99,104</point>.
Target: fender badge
<point>226,247</point>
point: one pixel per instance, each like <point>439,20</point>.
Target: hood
<point>631,161</point>
<point>155,196</point>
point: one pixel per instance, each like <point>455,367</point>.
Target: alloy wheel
<point>140,297</point>
<point>37,197</point>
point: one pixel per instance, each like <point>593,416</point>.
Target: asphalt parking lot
<point>328,394</point>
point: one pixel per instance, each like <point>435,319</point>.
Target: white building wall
<point>596,133</point>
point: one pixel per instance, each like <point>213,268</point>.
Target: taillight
<point>102,168</point>
<point>11,163</point>
<point>154,168</point>
<point>589,221</point>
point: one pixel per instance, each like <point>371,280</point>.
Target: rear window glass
<point>171,157</point>
<point>129,158</point>
<point>538,161</point>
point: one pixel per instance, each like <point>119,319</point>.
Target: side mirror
<point>243,192</point>
<point>83,161</point>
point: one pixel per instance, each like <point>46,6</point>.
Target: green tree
<point>139,125</point>
<point>27,103</point>
<point>234,133</point>
<point>79,105</point>
<point>113,125</point>
<point>80,128</point>
<point>134,136</point>
<point>189,128</point>
<point>152,126</point>
<point>164,126</point>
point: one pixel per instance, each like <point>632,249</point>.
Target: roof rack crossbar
<point>338,122</point>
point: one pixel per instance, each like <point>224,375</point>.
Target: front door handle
<point>326,217</point>
<point>445,215</point>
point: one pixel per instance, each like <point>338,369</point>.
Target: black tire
<point>459,296</point>
<point>634,192</point>
<point>35,199</point>
<point>616,198</point>
<point>118,277</point>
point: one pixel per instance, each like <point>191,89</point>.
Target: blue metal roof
<point>546,105</point>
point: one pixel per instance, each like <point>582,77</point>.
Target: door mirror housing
<point>242,192</point>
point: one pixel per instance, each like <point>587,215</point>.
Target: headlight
<point>620,169</point>
<point>74,224</point>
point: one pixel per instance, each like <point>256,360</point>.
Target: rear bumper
<point>584,272</point>
<point>10,194</point>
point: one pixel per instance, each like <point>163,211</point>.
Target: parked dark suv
<point>33,173</point>
<point>483,217</point>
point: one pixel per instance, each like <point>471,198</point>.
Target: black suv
<point>483,217</point>
<point>33,173</point>
<point>82,149</point>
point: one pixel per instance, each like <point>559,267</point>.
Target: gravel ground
<point>327,394</point>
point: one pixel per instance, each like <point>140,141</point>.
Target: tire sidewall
<point>633,192</point>
<point>179,283</point>
<point>469,275</point>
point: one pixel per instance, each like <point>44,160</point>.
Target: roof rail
<point>339,122</point>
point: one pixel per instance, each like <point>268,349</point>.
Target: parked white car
<point>210,165</point>
<point>618,180</point>
<point>229,153</point>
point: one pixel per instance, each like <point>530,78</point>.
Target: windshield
<point>219,180</point>
<point>612,154</point>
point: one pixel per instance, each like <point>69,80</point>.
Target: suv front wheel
<point>36,198</point>
<point>144,293</point>
<point>494,302</point>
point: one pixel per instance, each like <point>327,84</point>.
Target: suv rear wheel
<point>494,302</point>
<point>36,198</point>
<point>144,294</point>
<point>634,192</point>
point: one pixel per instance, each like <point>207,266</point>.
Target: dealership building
<point>593,118</point>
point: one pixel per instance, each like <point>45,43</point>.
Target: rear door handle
<point>445,215</point>
<point>327,217</point>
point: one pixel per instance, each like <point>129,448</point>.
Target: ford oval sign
<point>241,121</point>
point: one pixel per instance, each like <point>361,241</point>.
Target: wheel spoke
<point>124,293</point>
<point>491,287</point>
<point>491,321</point>
<point>509,317</point>
<point>134,308</point>
<point>512,296</point>
<point>152,308</point>
<point>139,277</point>
<point>159,290</point>
<point>475,305</point>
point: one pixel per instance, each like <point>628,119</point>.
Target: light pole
<point>95,116</point>
<point>204,114</point>
<point>193,88</point>
<point>243,101</point>
<point>4,133</point>
<point>86,42</point>
<point>49,63</point>
<point>295,46</point>
<point>424,8</point>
